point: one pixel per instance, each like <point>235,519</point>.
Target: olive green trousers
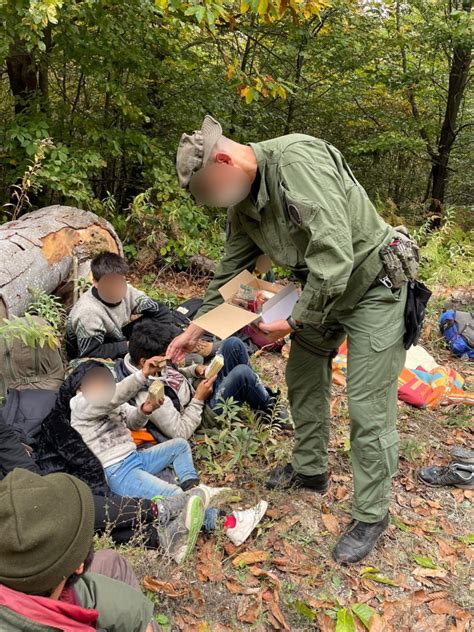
<point>376,355</point>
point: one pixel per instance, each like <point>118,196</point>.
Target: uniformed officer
<point>296,199</point>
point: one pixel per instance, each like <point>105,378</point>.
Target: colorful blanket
<point>418,387</point>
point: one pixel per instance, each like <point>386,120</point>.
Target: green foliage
<point>411,449</point>
<point>447,255</point>
<point>30,332</point>
<point>47,306</point>
<point>237,437</point>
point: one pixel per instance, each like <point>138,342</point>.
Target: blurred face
<point>98,386</point>
<point>220,184</point>
<point>112,288</point>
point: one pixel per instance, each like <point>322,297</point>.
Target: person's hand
<point>199,370</point>
<point>183,344</point>
<point>275,330</point>
<point>153,365</point>
<point>149,406</point>
<point>204,390</point>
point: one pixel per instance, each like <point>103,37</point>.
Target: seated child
<point>184,406</point>
<point>94,326</point>
<point>47,578</point>
<point>102,416</point>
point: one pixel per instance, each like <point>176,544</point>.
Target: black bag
<point>185,312</point>
<point>418,296</point>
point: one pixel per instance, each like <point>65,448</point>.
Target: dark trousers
<point>124,519</point>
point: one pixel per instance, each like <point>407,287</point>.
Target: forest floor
<point>419,577</point>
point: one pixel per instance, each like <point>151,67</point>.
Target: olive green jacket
<point>311,216</point>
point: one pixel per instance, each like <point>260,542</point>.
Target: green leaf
<point>345,621</point>
<point>372,573</point>
<point>399,524</point>
<point>425,562</point>
<point>304,610</point>
<point>363,612</point>
<point>467,539</point>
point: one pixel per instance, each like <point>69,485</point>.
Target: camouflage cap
<point>195,149</point>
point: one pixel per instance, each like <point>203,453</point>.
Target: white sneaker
<point>213,492</point>
<point>247,520</point>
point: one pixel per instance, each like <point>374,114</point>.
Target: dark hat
<point>46,529</point>
<point>194,149</point>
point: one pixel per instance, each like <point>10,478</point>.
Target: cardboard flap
<point>230,288</point>
<point>225,320</point>
<point>281,305</point>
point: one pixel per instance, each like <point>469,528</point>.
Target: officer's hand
<point>183,344</point>
<point>275,330</point>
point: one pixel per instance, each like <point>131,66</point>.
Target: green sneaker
<point>179,536</point>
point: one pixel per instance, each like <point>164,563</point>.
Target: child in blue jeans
<point>183,408</point>
<point>100,412</point>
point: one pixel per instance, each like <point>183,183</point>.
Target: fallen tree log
<point>40,249</point>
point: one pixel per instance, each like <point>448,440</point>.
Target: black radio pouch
<point>418,296</point>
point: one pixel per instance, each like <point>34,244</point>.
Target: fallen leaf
<point>170,589</point>
<point>430,572</point>
<point>345,621</point>
<point>198,607</point>
<point>250,557</point>
<point>379,624</point>
<point>325,623</point>
<point>260,572</point>
<point>331,523</point>
<point>445,606</point>
<point>239,589</point>
<point>248,609</point>
<point>424,562</point>
<point>445,549</point>
<point>275,610</point>
<point>375,576</point>
<point>209,566</point>
<point>341,492</point>
<point>434,623</point>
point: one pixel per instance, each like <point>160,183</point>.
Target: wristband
<point>293,324</point>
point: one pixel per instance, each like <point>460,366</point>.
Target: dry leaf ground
<point>419,579</point>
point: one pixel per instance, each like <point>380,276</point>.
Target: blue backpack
<point>458,330</point>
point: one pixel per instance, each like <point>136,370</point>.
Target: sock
<point>154,509</point>
<point>230,521</point>
<point>189,484</point>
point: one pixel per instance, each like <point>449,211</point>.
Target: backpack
<point>185,312</point>
<point>458,330</point>
<point>23,367</point>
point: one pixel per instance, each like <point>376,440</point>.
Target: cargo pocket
<point>386,352</point>
<point>389,447</point>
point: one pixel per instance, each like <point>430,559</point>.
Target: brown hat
<point>46,529</point>
<point>194,150</point>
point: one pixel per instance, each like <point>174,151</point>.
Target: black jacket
<point>12,452</point>
<point>60,448</point>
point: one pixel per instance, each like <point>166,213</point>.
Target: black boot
<point>358,540</point>
<point>286,478</point>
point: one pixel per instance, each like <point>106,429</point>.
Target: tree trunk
<point>458,76</point>
<point>38,250</point>
<point>22,75</point>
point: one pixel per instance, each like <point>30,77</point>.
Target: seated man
<point>95,324</point>
<point>185,406</point>
<point>46,582</point>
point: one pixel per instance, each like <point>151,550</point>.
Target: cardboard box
<point>226,319</point>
